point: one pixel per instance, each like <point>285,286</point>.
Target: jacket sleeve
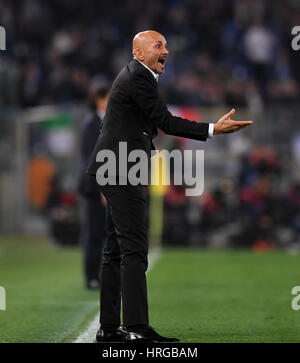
<point>146,96</point>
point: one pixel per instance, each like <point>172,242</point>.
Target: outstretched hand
<point>225,125</point>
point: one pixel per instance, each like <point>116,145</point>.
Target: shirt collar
<point>101,114</point>
<point>155,75</point>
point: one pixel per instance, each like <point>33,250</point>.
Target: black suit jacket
<point>92,125</point>
<point>135,111</point>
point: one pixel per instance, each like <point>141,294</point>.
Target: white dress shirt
<point>101,114</point>
<point>211,126</point>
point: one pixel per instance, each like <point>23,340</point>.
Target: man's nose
<point>166,51</point>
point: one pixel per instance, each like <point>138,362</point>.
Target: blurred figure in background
<point>93,231</point>
<point>40,173</point>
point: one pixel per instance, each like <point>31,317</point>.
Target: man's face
<point>152,51</point>
<point>156,54</point>
<point>101,102</point>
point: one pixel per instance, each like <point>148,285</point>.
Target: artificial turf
<point>196,295</point>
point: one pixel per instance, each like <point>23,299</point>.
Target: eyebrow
<point>159,41</point>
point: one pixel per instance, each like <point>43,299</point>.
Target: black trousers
<point>125,257</point>
<point>93,237</point>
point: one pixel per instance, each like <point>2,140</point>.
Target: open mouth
<point>162,61</point>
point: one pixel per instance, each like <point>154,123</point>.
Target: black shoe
<point>105,336</point>
<point>147,335</point>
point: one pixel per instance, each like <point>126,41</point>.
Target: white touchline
<point>88,336</point>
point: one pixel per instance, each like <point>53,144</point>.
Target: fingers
<point>227,125</point>
<point>229,114</point>
<point>241,126</point>
<point>243,123</point>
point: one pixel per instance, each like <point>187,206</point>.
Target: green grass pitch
<point>196,295</point>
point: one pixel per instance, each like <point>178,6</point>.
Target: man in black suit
<point>134,112</point>
<point>93,231</point>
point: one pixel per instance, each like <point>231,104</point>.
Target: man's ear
<point>139,54</point>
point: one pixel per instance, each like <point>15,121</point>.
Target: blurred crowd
<point>255,210</point>
<point>222,53</point>
<point>235,52</point>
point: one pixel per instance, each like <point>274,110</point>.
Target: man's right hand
<point>225,125</point>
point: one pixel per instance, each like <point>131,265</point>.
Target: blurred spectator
<point>260,52</point>
<point>176,227</point>
<point>293,212</point>
<point>63,215</point>
<point>257,208</point>
<point>93,231</point>
<point>40,174</point>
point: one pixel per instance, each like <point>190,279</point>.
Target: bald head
<point>149,47</point>
<point>142,39</point>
